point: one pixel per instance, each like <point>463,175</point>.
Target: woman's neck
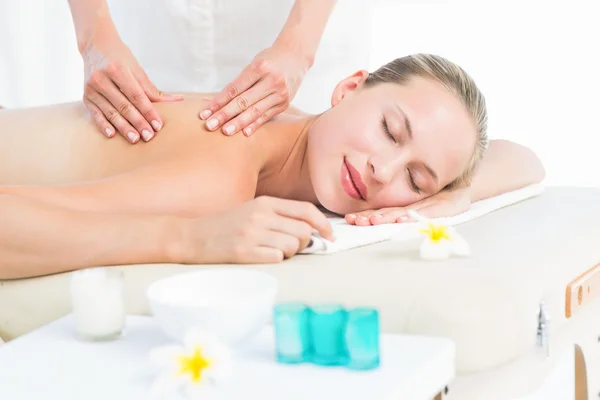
<point>285,172</point>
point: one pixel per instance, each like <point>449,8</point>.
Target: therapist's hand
<point>262,230</point>
<point>118,93</point>
<point>442,204</point>
<point>263,89</point>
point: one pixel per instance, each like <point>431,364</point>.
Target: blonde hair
<point>457,81</point>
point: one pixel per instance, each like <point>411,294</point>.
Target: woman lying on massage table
<point>411,133</point>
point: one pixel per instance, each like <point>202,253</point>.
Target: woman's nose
<point>385,166</point>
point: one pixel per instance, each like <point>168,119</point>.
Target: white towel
<point>351,236</point>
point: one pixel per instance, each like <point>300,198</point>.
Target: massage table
<point>522,310</point>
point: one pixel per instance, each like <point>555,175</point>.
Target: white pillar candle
<point>97,303</point>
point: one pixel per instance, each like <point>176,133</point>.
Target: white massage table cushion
<point>487,303</point>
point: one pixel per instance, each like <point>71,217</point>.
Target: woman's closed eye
<point>415,188</point>
<point>386,130</point>
<point>413,185</point>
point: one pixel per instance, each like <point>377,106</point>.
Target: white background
<point>537,63</point>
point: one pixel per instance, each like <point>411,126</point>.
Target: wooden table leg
<point>581,386</point>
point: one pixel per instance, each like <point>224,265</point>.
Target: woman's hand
<point>443,204</point>
<point>118,93</point>
<point>262,230</point>
<point>263,89</point>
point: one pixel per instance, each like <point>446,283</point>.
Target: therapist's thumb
<point>154,94</point>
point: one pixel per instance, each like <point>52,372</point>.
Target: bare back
<point>56,154</point>
<point>61,144</point>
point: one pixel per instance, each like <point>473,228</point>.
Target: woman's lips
<point>352,182</point>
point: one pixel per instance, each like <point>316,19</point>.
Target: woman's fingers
<point>269,242</point>
<point>389,215</point>
<point>365,218</point>
<point>289,245</point>
<point>306,212</point>
<point>263,255</point>
<point>353,219</point>
<point>293,227</point>
<point>113,116</point>
<point>266,229</point>
<point>350,218</point>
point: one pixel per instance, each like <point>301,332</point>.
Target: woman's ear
<point>348,85</point>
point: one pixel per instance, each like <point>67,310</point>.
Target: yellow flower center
<point>193,364</point>
<point>436,233</point>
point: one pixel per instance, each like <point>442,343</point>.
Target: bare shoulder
<point>215,170</point>
<point>291,110</point>
<point>185,137</point>
<point>185,170</point>
<point>184,134</point>
<point>184,131</point>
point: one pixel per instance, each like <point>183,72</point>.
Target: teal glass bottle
<point>327,327</point>
<point>362,338</point>
<point>292,336</point>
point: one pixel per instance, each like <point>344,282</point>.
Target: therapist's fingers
<point>99,118</point>
<point>248,107</point>
<point>135,105</point>
<point>243,102</point>
<point>102,91</point>
<point>270,105</point>
<point>270,113</point>
<point>113,116</point>
<point>152,91</point>
<point>248,77</point>
<point>128,111</point>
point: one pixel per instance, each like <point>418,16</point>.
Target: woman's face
<point>388,145</point>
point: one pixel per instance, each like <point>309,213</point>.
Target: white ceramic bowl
<point>232,303</point>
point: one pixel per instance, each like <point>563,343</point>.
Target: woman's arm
<point>505,166</point>
<point>195,183</point>
<point>40,239</point>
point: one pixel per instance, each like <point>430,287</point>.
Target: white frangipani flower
<point>200,363</point>
<point>441,241</point>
